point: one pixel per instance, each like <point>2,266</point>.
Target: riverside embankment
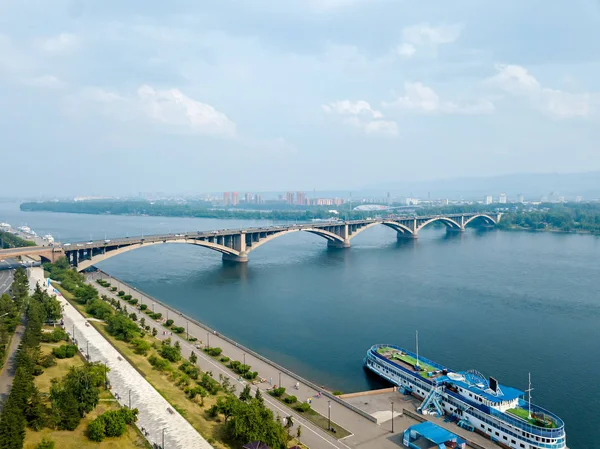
<point>365,432</point>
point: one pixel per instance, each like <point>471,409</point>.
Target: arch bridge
<point>236,244</point>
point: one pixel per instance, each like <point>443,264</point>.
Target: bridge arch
<point>450,224</point>
<point>86,263</point>
<point>330,236</point>
<point>483,217</point>
<point>398,227</point>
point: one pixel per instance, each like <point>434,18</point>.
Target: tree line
<point>11,308</point>
<point>9,240</point>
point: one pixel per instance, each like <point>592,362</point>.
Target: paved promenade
<point>364,431</point>
<point>155,413</point>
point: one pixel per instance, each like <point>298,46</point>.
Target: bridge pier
<point>406,236</point>
<point>455,230</point>
<point>232,258</point>
<point>338,244</point>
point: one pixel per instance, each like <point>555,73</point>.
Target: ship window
<point>522,445</point>
<point>482,426</point>
<point>504,436</point>
<point>497,434</point>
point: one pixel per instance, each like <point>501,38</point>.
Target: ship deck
<point>408,362</point>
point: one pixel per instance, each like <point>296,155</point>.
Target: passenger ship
<point>497,411</point>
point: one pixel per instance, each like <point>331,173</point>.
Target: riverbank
<point>368,429</point>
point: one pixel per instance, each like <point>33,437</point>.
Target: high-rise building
<point>289,197</point>
<point>488,199</point>
<point>578,199</point>
<point>300,198</point>
<point>235,199</point>
<point>502,198</point>
<point>226,198</point>
<point>521,198</point>
<point>248,198</point>
<point>258,198</point>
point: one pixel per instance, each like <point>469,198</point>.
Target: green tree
<point>45,444</point>
<point>99,309</point>
<point>171,353</point>
<point>36,412</point>
<point>140,346</point>
<point>122,327</point>
<point>193,358</point>
<point>246,394</point>
<point>154,332</point>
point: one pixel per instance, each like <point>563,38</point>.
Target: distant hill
<point>532,186</point>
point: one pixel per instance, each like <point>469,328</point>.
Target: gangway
<point>432,398</point>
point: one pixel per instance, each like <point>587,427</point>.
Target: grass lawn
<point>316,418</point>
<point>67,295</point>
<point>77,439</point>
<point>524,414</point>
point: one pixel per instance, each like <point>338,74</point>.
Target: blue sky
<point>118,97</point>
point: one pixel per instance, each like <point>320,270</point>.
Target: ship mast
<point>417,339</point>
<point>529,390</point>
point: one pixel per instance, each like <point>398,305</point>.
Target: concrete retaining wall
<point>367,393</point>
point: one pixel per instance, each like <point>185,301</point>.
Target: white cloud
<point>45,81</point>
<point>423,36</point>
<point>517,81</point>
<point>406,50</point>
<point>421,98</point>
<point>347,107</point>
<point>361,115</point>
<point>169,107</point>
<point>63,43</point>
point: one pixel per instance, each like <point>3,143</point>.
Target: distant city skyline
<point>112,98</point>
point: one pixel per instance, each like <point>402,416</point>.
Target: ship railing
<point>411,354</point>
<point>515,421</point>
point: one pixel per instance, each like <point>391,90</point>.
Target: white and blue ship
<point>500,412</point>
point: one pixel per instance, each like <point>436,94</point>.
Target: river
<point>504,303</point>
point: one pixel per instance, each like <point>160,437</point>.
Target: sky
<point>118,97</point>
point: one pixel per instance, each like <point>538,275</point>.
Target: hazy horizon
<point>117,98</point>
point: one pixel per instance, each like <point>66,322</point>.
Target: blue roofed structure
<point>428,435</point>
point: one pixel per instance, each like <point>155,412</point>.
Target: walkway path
<point>155,413</point>
<point>364,431</point>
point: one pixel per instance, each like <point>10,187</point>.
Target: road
<point>7,373</point>
<point>155,414</point>
<point>6,277</point>
<point>364,431</point>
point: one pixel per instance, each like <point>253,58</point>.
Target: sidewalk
<point>364,431</point>
<point>155,414</point>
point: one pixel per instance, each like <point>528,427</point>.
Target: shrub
<point>210,384</point>
<point>133,301</point>
<point>111,424</point>
<point>64,351</point>
<point>55,336</point>
<point>277,392</point>
<point>127,298</point>
<point>121,293</point>
<point>190,370</point>
<point>251,375</point>
<point>159,363</point>
<point>192,339</point>
<point>290,399</point>
<point>140,346</point>
<point>133,316</point>
<point>143,306</point>
<point>215,352</point>
<point>303,407</point>
<point>45,444</point>
<point>169,323</point>
<point>170,353</point>
<point>48,360</point>
<point>178,330</point>
<point>113,289</point>
<point>337,392</point>
<point>224,359</point>
<point>156,316</point>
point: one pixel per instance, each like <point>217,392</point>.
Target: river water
<point>504,303</point>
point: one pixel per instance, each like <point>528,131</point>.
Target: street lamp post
<point>87,346</point>
<point>152,307</point>
<point>163,439</point>
<point>392,416</point>
<point>73,334</point>
<point>130,399</point>
<point>328,415</point>
<point>187,330</point>
<point>279,380</point>
<point>244,358</point>
<point>208,340</point>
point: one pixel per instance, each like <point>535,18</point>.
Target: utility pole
<point>187,330</point>
<point>392,416</point>
<point>279,380</point>
<point>208,340</point>
<point>329,415</point>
